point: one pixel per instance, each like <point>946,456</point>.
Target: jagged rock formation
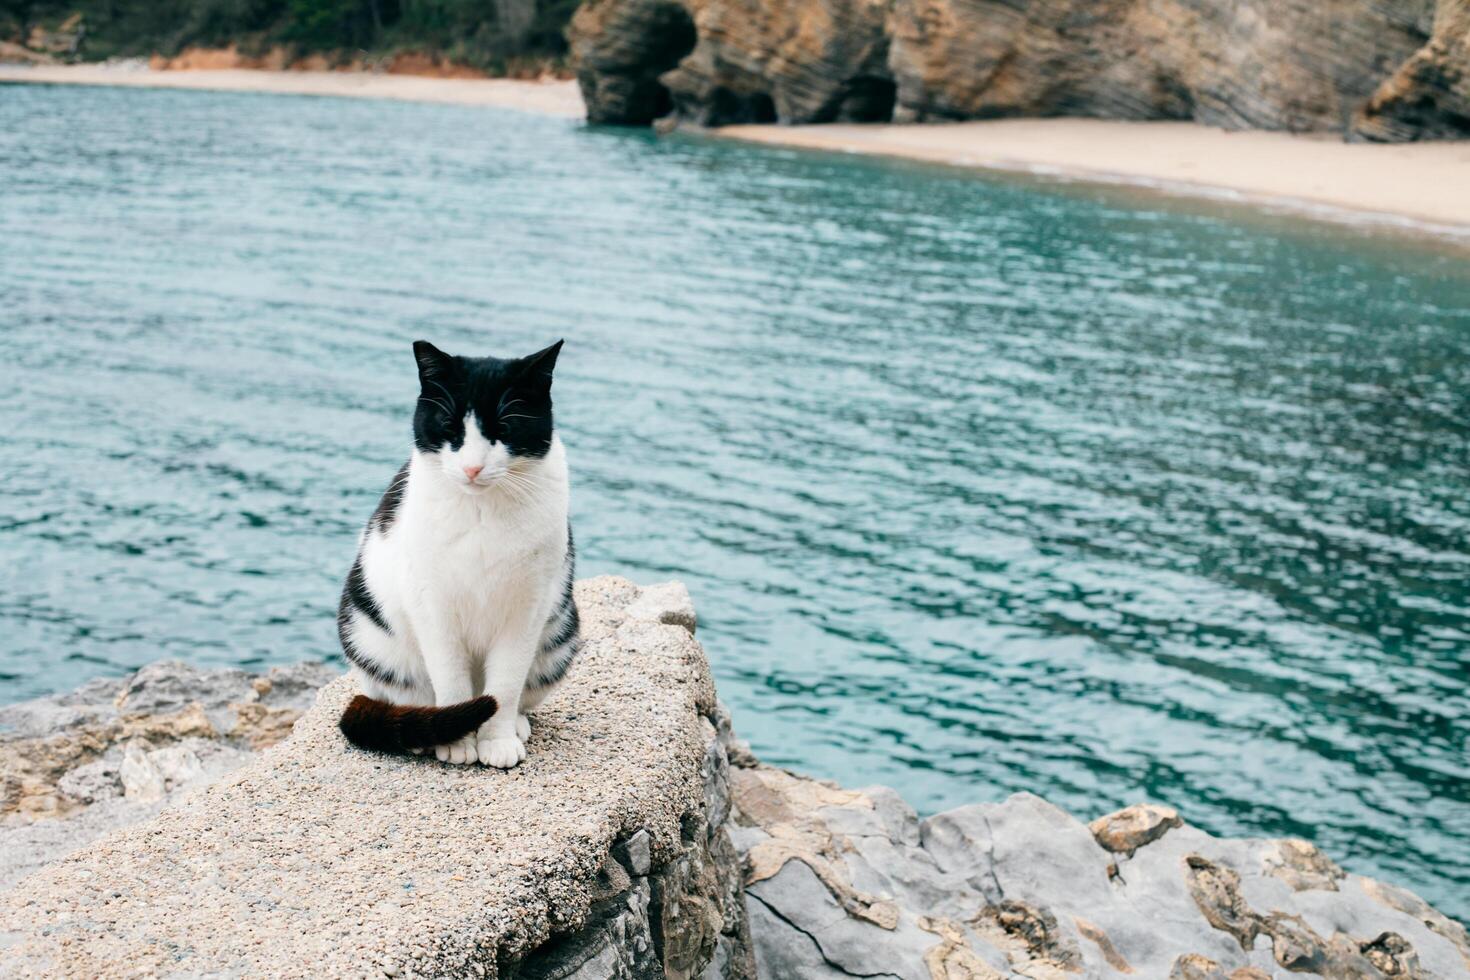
<point>604,855</point>
<point>843,883</point>
<point>718,62</point>
<point>118,750</point>
<point>1357,66</point>
<point>1429,96</point>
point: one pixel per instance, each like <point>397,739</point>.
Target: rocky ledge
<point>605,854</point>
<point>641,839</point>
<point>844,883</point>
<point>1369,70</point>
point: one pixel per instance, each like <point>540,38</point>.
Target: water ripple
<point>980,485</point>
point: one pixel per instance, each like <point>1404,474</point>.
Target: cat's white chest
<point>478,569</point>
<point>485,568</point>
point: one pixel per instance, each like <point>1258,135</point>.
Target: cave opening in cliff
<point>730,108</point>
<point>867,99</point>
<point>762,108</point>
<point>670,36</point>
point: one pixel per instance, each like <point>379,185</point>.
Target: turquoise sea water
<point>980,485</point>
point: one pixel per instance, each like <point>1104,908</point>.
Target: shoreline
<point>1421,189</point>
<point>557,97</point>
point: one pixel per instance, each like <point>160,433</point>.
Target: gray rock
<point>810,930</point>
<point>178,764</point>
<point>714,770</point>
<point>141,779</point>
<point>295,686</point>
<point>635,853</point>
<point>94,781</point>
<point>842,883</point>
<point>169,686</point>
<point>784,950</point>
<point>92,703</point>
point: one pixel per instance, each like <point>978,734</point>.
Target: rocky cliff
<point>1383,71</point>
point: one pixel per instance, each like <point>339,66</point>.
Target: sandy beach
<point>1425,186</point>
<point>1418,186</point>
<point>556,97</point>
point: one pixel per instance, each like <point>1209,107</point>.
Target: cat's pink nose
<point>472,471</point>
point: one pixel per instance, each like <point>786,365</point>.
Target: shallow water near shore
<point>979,486</point>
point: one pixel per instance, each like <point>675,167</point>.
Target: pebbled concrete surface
<point>317,859</point>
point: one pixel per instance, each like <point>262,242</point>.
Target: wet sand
<point>1417,185</point>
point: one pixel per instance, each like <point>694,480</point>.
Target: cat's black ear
<point>538,366</point>
<point>433,362</point>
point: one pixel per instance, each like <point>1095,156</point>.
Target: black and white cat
<point>457,615</point>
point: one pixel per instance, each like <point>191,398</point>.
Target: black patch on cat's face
<point>511,399</point>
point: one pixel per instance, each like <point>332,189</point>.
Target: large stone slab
<point>596,857</point>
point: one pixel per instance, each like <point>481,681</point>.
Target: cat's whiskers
<point>437,403</point>
<point>437,384</point>
<point>520,485</point>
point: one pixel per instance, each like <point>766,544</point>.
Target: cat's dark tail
<point>384,727</point>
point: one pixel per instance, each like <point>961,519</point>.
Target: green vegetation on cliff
<point>493,35</point>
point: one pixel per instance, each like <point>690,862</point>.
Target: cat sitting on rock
<point>457,615</point>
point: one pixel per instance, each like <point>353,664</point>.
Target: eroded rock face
<point>842,883</point>
<point>682,918</point>
<point>717,62</point>
<point>620,48</point>
<point>1255,64</point>
<point>1428,97</point>
<point>1358,66</point>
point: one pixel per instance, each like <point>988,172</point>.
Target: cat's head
<point>481,418</point>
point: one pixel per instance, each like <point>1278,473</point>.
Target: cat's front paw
<point>502,753</point>
<point>459,753</point>
<point>523,728</point>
